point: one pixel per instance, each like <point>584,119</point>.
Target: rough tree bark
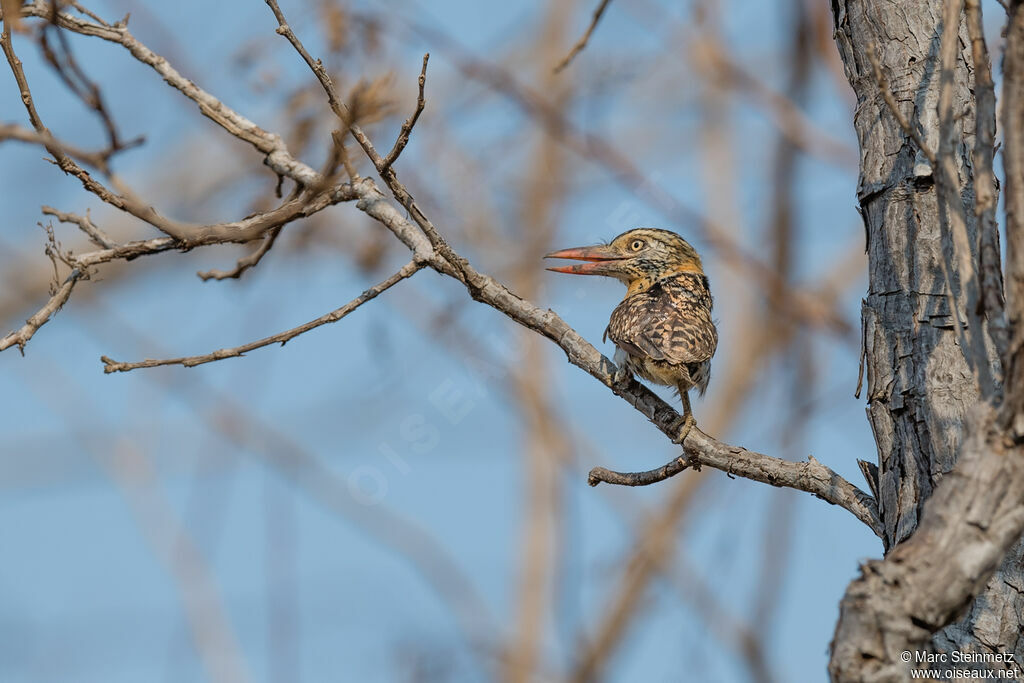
<point>919,386</point>
<point>921,389</point>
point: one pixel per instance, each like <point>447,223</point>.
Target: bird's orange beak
<point>600,260</point>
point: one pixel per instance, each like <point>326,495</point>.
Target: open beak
<point>600,260</point>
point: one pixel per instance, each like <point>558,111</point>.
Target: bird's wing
<point>672,329</point>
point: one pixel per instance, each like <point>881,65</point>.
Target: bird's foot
<point>622,374</point>
<point>682,428</point>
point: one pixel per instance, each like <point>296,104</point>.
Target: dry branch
<point>276,155</point>
<point>407,126</point>
<point>110,365</point>
<point>12,131</point>
<point>246,262</point>
<point>96,235</point>
<point>43,315</point>
<point>582,42</point>
<point>811,476</point>
<point>222,233</point>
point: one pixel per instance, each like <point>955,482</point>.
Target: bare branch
<point>582,42</point>
<point>32,325</point>
<point>239,231</point>
<point>403,135</point>
<point>811,476</point>
<point>12,131</point>
<point>646,478</point>
<point>85,223</point>
<point>110,365</point>
<point>69,71</point>
<point>277,156</point>
<point>246,262</point>
<point>187,235</point>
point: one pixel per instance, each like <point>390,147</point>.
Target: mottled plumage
<point>662,329</point>
<point>665,332</point>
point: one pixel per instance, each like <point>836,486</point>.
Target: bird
<point>662,329</point>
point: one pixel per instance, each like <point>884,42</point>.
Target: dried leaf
<point>12,14</point>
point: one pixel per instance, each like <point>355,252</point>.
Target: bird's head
<point>638,258</point>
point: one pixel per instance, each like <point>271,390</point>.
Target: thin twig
<point>97,236</point>
<point>965,287</point>
<point>986,193</point>
<point>646,478</point>
<point>75,78</point>
<point>110,365</point>
<point>125,200</point>
<point>224,233</point>
<point>246,262</point>
<point>78,6</point>
<point>407,126</point>
<point>277,156</point>
<point>32,325</point>
<point>582,42</point>
<point>12,131</point>
<point>387,173</point>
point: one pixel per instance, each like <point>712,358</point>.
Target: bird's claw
<point>682,428</point>
<point>622,374</point>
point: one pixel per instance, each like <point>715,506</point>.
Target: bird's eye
<point>637,245</point>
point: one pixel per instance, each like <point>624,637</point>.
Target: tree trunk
<point>920,387</point>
